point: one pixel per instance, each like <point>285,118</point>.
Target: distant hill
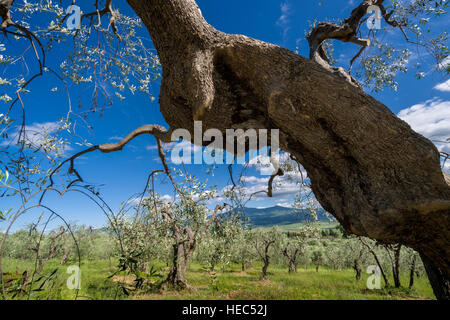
<point>267,217</point>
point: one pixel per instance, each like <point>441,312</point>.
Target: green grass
<point>296,226</point>
<point>94,281</point>
<point>229,284</point>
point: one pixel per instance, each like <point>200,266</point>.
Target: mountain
<point>267,217</point>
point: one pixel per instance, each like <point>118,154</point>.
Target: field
<point>230,283</point>
<point>320,224</point>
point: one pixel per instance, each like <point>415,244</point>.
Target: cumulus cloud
<point>38,135</point>
<point>136,201</point>
<point>254,180</point>
<point>444,86</point>
<point>432,120</point>
<point>285,188</point>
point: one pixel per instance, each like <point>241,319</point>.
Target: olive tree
<point>293,244</point>
<point>184,220</point>
<point>220,241</point>
<point>244,251</point>
<point>267,243</point>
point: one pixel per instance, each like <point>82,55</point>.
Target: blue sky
<point>424,103</point>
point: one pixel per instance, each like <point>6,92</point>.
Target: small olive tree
<point>266,244</point>
<point>294,245</point>
<point>185,221</point>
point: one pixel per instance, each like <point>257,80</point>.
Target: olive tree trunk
<point>393,252</point>
<point>358,269</point>
<point>412,270</point>
<point>177,273</point>
<point>367,167</point>
<point>292,258</point>
<point>266,262</point>
<point>183,249</point>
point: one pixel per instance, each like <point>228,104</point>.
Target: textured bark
<point>263,252</point>
<point>438,280</point>
<point>264,269</point>
<point>185,242</point>
<point>396,267</point>
<point>292,258</point>
<point>412,270</point>
<point>292,267</point>
<point>357,268</point>
<point>4,12</point>
<point>393,252</point>
<point>182,253</point>
<point>367,167</point>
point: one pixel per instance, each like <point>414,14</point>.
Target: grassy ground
<point>320,224</point>
<point>229,284</point>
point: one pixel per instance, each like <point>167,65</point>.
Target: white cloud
<point>285,13</point>
<point>284,21</point>
<point>38,134</point>
<point>432,120</point>
<point>285,204</point>
<point>136,201</point>
<point>284,188</point>
<point>444,87</point>
<point>254,180</point>
<point>444,63</point>
<point>115,138</point>
<point>167,198</point>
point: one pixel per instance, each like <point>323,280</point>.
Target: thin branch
<point>160,133</point>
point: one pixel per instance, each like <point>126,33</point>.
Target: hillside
<point>280,216</point>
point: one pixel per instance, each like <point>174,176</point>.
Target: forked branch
<point>159,132</point>
<point>346,32</point>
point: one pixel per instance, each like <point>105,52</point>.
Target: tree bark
<point>265,267</point>
<point>292,267</point>
<point>396,266</point>
<point>438,279</point>
<point>358,270</point>
<point>393,252</point>
<point>177,274</point>
<point>292,258</point>
<point>412,270</point>
<point>367,167</point>
<point>183,249</point>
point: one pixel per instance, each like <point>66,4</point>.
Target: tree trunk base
<point>439,280</point>
<point>178,285</point>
